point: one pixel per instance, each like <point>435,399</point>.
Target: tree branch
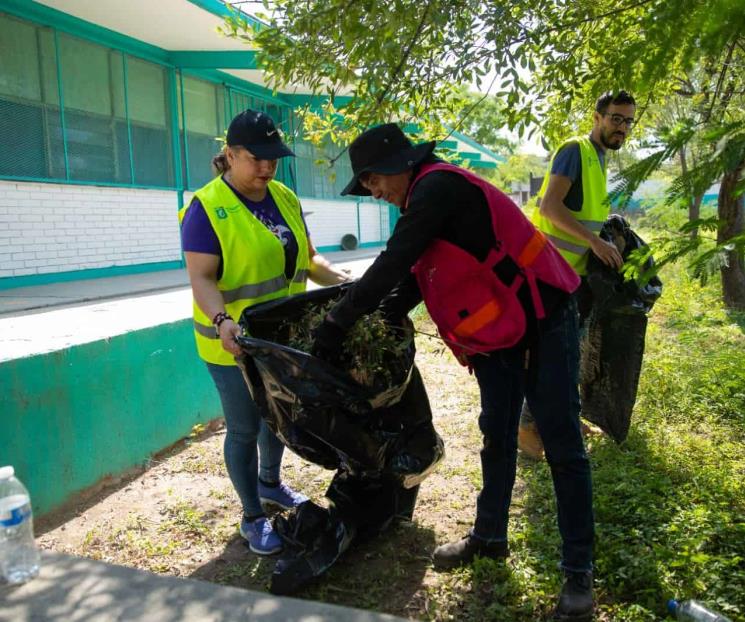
<point>720,81</point>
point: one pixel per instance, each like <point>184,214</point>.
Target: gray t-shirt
<point>568,163</point>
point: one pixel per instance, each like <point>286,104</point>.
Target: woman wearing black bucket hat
<point>245,242</point>
<point>500,295</point>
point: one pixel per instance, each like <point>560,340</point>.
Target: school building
<point>110,113</point>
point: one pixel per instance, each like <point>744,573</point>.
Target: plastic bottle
<point>693,611</point>
<point>19,557</point>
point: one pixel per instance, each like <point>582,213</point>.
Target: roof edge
<point>221,9</point>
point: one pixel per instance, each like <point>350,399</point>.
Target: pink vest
<point>472,308</point>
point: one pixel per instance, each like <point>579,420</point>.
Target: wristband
<point>219,319</point>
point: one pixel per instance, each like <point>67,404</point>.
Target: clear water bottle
<point>19,557</point>
<point>694,611</point>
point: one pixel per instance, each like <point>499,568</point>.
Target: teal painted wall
<point>71,417</point>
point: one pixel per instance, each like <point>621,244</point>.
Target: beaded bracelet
<point>219,319</point>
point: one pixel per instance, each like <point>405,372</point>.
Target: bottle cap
<point>672,606</point>
<point>7,472</point>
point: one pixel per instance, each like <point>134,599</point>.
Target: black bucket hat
<point>256,132</point>
<point>383,149</point>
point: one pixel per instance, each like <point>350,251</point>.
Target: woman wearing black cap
<point>500,295</point>
<point>245,242</point>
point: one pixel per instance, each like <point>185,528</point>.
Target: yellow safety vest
<point>595,206</point>
<point>253,259</point>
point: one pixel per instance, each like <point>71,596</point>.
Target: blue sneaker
<point>281,496</point>
<point>262,539</point>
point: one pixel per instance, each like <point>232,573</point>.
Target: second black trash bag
<point>613,348</point>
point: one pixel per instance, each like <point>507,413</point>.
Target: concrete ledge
<point>73,589</point>
<point>76,415</point>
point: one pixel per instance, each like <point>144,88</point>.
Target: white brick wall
<point>373,222</point>
<point>46,228</point>
<point>329,220</point>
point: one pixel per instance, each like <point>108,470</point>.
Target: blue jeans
<point>545,376</point>
<point>245,430</point>
<point>583,297</point>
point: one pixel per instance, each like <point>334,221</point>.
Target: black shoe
<point>575,601</point>
<point>463,551</point>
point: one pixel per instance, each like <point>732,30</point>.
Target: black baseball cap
<point>256,132</point>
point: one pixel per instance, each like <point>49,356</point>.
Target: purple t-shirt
<point>198,236</point>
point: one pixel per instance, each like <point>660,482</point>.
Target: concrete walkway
<point>49,318</point>
<point>73,589</point>
<point>39,297</point>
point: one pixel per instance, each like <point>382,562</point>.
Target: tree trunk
<point>694,202</point>
<point>731,212</point>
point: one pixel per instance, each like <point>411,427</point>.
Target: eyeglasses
<point>618,120</point>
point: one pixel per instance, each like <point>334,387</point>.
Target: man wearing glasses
<point>573,205</point>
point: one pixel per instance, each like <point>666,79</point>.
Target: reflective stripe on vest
<point>252,256</point>
<point>564,245</point>
<point>531,250</point>
<point>594,210</point>
<point>476,321</point>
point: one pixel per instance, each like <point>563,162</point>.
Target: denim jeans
<point>545,376</point>
<point>245,430</point>
<point>583,297</point>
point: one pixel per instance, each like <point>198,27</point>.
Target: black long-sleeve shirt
<point>443,205</point>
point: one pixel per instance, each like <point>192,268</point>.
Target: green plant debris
<point>370,349</point>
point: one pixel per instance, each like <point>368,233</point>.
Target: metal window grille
<point>76,111</point>
<point>73,110</point>
<point>202,113</point>
<point>314,176</point>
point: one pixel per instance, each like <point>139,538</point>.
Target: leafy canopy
<point>544,59</point>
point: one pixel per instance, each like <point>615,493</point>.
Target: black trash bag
<point>326,417</point>
<point>314,537</point>
<point>361,505</point>
<point>613,346</point>
<point>380,440</point>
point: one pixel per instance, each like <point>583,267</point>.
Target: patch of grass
<point>242,573</point>
<point>133,544</point>
<point>200,458</point>
<point>189,523</point>
<point>669,502</point>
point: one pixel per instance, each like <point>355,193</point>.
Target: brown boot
<point>463,551</point>
<point>529,441</point>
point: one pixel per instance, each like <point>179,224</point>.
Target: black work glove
<point>397,304</point>
<point>327,341</point>
<point>393,317</point>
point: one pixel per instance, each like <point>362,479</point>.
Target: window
<point>204,111</point>
<point>314,176</point>
<point>30,126</point>
<point>113,126</point>
<point>150,123</point>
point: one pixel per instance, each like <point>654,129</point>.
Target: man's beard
<point>607,141</point>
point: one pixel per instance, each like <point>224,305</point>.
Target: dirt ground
<point>180,517</point>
